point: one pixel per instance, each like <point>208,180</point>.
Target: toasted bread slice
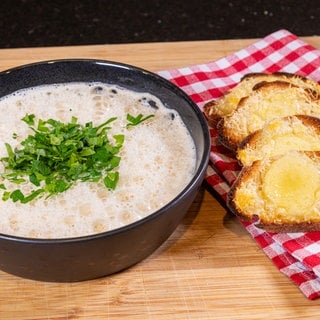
<point>299,132</point>
<point>217,109</point>
<point>267,101</point>
<point>280,194</point>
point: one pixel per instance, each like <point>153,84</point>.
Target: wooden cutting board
<point>210,268</point>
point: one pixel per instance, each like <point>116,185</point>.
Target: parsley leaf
<point>111,180</point>
<point>29,119</point>
<point>133,121</point>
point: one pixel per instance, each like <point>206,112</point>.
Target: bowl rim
<point>204,159</point>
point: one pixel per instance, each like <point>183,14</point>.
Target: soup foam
<point>157,160</point>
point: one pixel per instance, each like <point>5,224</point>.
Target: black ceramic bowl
<point>88,257</point>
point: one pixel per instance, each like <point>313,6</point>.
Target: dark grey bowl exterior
<point>89,257</point>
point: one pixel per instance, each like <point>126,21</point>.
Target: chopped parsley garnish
<point>58,154</point>
<point>133,121</point>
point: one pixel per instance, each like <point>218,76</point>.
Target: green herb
<point>111,180</point>
<point>29,119</point>
<point>133,121</point>
<point>57,155</point>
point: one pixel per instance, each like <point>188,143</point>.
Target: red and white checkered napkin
<point>297,255</point>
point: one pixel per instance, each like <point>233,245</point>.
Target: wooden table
<point>210,268</point>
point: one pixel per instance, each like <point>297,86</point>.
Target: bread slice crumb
<point>280,193</point>
<point>215,110</point>
<point>267,101</point>
<point>298,132</point>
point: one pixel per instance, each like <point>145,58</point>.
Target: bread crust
<point>280,74</point>
<point>209,111</point>
<point>245,174</point>
<point>290,227</point>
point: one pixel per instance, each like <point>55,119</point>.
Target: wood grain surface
<point>209,268</point>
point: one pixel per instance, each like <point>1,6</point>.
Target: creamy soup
<point>157,160</point>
